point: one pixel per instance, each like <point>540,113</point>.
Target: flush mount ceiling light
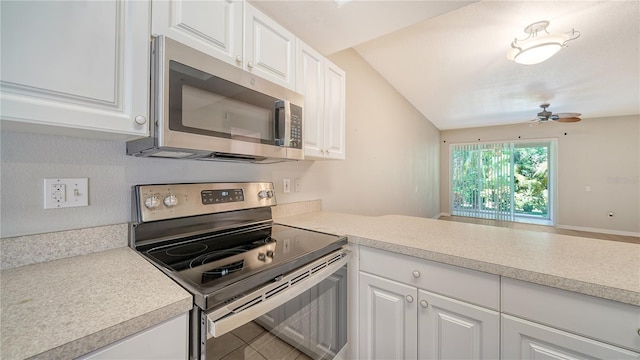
<point>539,45</point>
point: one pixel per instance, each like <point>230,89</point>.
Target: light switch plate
<point>64,193</point>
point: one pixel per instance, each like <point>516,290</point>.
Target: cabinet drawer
<point>609,321</point>
<point>526,340</point>
<point>463,284</point>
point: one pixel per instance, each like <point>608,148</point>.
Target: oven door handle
<point>269,297</point>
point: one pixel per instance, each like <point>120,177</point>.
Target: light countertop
<point>69,307</point>
<point>602,268</point>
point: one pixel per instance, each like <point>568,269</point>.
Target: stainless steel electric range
<point>219,242</point>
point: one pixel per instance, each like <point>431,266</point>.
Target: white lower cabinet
<point>388,319</point>
<point>541,322</point>
<point>399,321</point>
<point>412,308</point>
<point>452,329</point>
<point>168,340</point>
<point>527,340</point>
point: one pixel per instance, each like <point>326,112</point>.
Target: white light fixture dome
<point>539,46</point>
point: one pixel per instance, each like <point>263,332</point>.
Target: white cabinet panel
<point>323,85</point>
<point>168,340</point>
<point>526,340</point>
<point>269,49</point>
<point>335,111</point>
<point>451,329</point>
<point>233,31</point>
<point>76,67</point>
<point>470,286</point>
<point>388,319</point>
<point>213,27</point>
<point>606,320</point>
<point>310,83</point>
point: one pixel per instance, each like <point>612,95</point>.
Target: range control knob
<point>270,253</point>
<point>262,257</point>
<point>262,194</point>
<point>152,202</point>
<point>269,194</point>
<point>170,201</point>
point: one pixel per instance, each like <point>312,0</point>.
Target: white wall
<point>601,153</point>
<point>391,167</point>
<point>393,151</point>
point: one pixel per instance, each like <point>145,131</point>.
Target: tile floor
<point>251,342</point>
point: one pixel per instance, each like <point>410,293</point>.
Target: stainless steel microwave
<point>204,108</point>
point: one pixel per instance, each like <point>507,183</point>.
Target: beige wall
<point>392,166</point>
<point>393,152</point>
<point>601,153</point>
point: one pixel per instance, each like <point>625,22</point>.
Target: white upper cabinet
<point>233,31</point>
<point>334,98</point>
<point>310,83</point>
<point>75,67</point>
<point>213,27</point>
<point>269,49</point>
<point>323,85</point>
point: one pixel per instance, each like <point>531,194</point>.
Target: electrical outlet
<point>286,185</point>
<point>63,193</point>
<point>296,185</point>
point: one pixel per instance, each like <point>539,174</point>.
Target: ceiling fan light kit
<point>539,45</point>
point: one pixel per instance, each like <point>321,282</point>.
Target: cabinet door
<point>451,329</point>
<point>388,319</point>
<point>526,340</point>
<point>310,83</point>
<point>76,67</point>
<point>213,27</point>
<point>269,49</point>
<point>334,132</point>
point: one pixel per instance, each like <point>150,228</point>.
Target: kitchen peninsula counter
<point>65,308</point>
<point>601,268</point>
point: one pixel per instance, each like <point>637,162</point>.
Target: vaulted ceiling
<point>448,58</point>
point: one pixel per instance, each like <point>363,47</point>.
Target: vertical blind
<point>482,180</point>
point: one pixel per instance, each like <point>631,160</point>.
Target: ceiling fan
<point>545,115</point>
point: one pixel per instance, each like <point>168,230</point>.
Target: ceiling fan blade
<point>569,119</point>
<point>567,115</point>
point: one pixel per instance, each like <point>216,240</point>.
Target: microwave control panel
<point>296,127</point>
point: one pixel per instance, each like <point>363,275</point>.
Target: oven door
<point>304,312</point>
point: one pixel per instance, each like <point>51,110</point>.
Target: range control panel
<point>168,201</point>
<point>221,196</point>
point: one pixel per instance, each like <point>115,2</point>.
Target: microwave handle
<point>282,123</point>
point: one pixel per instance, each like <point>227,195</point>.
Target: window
<point>508,181</point>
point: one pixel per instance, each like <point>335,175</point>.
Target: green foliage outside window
<point>531,180</point>
<point>484,176</point>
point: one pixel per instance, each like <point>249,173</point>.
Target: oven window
<point>204,104</point>
<point>312,325</point>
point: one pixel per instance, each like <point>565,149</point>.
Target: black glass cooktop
<point>209,262</point>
